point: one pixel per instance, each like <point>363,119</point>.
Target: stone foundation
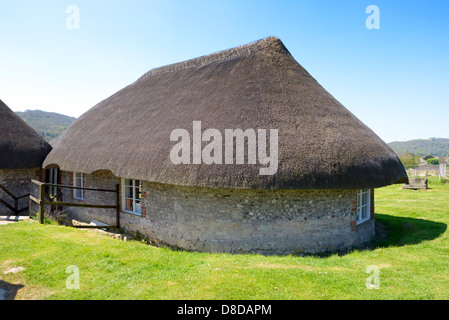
<point>259,221</point>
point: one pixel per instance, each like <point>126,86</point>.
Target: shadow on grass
<point>401,231</point>
<point>393,231</point>
<point>8,291</point>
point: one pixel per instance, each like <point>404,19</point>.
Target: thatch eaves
<point>21,147</point>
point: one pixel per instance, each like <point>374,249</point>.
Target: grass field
<point>411,255</point>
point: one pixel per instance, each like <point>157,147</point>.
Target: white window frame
<point>136,206</point>
<point>53,179</point>
<point>363,207</point>
<point>77,193</point>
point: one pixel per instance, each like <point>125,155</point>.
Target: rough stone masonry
<point>233,220</point>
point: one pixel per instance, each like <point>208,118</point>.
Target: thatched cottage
<point>22,152</point>
<point>163,138</point>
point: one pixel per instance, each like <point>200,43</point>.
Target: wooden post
<point>117,188</point>
<point>41,204</point>
<point>30,206</point>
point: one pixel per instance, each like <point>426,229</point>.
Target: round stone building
<point>237,151</point>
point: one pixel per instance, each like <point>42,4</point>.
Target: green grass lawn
<point>411,254</point>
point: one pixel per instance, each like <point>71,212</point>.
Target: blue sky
<point>395,79</point>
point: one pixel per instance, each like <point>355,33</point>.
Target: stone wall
<point>219,220</point>
<point>18,182</point>
<point>99,180</point>
<point>282,221</point>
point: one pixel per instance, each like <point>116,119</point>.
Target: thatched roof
<point>20,146</point>
<point>260,85</point>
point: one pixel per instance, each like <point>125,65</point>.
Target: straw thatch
<point>260,86</point>
<point>20,146</point>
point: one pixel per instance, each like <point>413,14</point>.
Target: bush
<point>437,180</point>
<point>432,161</point>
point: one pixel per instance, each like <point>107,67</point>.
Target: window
<point>131,196</point>
<point>78,181</point>
<point>363,205</point>
<point>52,178</point>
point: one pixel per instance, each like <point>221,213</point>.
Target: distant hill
<point>434,146</point>
<point>48,124</point>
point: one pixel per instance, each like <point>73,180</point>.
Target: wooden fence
<point>43,199</point>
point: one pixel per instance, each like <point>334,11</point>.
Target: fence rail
<point>41,202</point>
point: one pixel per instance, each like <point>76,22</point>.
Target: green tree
<point>409,159</point>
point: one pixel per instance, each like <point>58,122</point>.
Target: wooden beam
<point>117,189</point>
<point>95,227</point>
<point>34,199</point>
<point>69,187</point>
<point>82,205</point>
<point>41,204</point>
<point>78,188</point>
<point>38,183</point>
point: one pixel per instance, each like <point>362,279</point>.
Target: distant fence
<point>427,170</point>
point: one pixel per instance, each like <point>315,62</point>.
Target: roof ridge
<point>241,51</point>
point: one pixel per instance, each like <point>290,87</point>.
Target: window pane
<point>78,179</point>
<point>138,206</point>
<point>129,205</point>
<point>128,192</point>
<point>78,182</point>
<point>365,212</point>
<point>132,195</point>
<point>365,198</point>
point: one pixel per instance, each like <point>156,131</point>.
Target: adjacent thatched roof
<point>20,146</point>
<point>260,85</point>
